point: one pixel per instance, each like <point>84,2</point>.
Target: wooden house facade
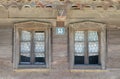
<point>60,39</point>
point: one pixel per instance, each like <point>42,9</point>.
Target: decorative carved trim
<point>87,24</point>
<point>67,3</point>
<point>33,23</point>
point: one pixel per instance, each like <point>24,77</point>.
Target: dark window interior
<point>39,60</point>
<point>79,60</point>
<point>25,59</point>
<point>93,59</point>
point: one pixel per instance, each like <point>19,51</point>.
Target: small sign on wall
<point>60,30</point>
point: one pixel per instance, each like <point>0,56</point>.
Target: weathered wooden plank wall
<point>113,48</point>
<point>60,58</point>
<point>6,43</point>
<point>60,63</point>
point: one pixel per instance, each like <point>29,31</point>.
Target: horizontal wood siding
<point>113,59</point>
<point>6,43</point>
<point>60,62</point>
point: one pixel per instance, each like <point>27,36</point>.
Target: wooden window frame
<point>42,26</point>
<point>88,26</point>
<point>86,61</point>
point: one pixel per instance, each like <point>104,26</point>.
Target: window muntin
<point>32,47</point>
<point>86,47</point>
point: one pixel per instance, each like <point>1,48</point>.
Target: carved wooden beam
<point>67,4</point>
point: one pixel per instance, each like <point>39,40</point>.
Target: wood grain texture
<point>113,48</point>
<point>60,67</point>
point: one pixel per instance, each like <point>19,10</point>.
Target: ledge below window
<point>31,70</point>
<point>88,70</point>
<point>31,66</point>
<point>85,67</point>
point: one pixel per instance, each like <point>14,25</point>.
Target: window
<point>32,46</point>
<point>87,45</point>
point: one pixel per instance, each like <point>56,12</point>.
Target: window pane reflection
<point>25,47</point>
<point>93,47</point>
<point>39,36</point>
<point>79,48</point>
<point>79,36</point>
<point>25,36</point>
<point>92,36</point>
<point>39,55</point>
<point>39,47</point>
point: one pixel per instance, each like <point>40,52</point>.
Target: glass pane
<point>25,47</point>
<point>39,36</point>
<point>39,55</point>
<point>93,48</point>
<point>93,59</point>
<point>25,36</point>
<point>92,36</point>
<point>39,58</point>
<point>79,36</point>
<point>79,60</point>
<point>39,47</point>
<point>79,48</point>
<point>25,58</point>
<point>93,52</point>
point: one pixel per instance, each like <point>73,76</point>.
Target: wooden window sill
<point>31,70</point>
<point>31,66</point>
<point>88,70</point>
<point>87,67</point>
